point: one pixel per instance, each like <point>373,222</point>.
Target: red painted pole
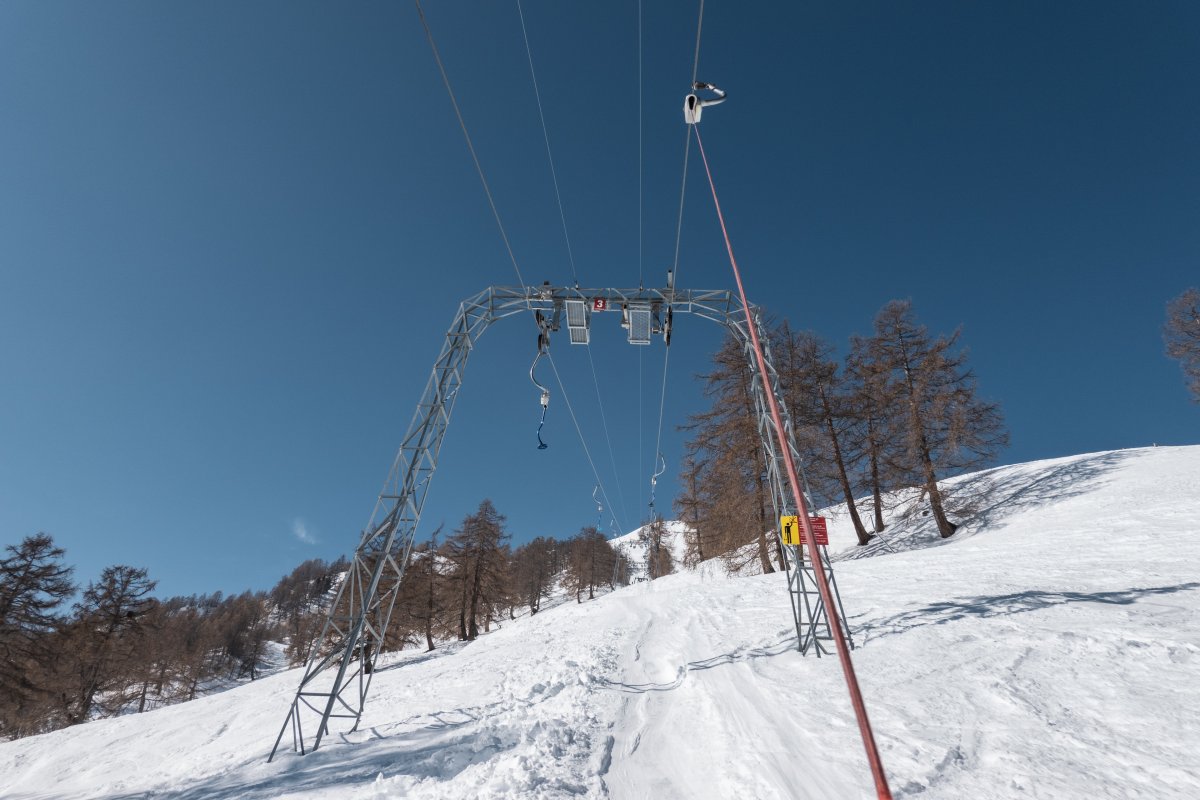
<point>843,650</point>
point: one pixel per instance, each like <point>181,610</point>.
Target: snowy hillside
<point>1050,649</point>
<point>637,551</point>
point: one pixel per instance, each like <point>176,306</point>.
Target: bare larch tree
<point>948,428</point>
<point>479,552</point>
<point>814,392</point>
<point>1182,335</point>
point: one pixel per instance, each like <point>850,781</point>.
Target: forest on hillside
<point>116,649</point>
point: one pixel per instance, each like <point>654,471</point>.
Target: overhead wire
<point>470,145</point>
<point>604,422</point>
<point>567,238</point>
<point>687,142</point>
<point>582,440</point>
<point>562,215</point>
<point>841,648</point>
<point>499,224</point>
<point>696,61</point>
<point>537,317</point>
<point>687,146</point>
<point>883,792</point>
<point>641,216</point>
<point>641,156</point>
<point>546,136</point>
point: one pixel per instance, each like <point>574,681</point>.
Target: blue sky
<point>232,236</point>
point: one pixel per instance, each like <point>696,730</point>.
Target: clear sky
<point>233,234</point>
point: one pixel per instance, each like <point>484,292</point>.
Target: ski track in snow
<point>1049,650</point>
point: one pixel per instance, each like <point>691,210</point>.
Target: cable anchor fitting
<point>693,104</point>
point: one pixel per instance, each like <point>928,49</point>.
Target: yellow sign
<point>791,529</point>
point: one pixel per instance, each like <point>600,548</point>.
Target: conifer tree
<point>590,562</point>
<point>533,570</point>
<point>734,503</point>
<point>1182,335</point>
<point>246,628</point>
<point>947,427</point>
<point>688,503</point>
<point>195,640</point>
<point>422,592</point>
<point>876,436</point>
<point>479,552</point>
<point>102,640</point>
<point>659,561</point>
<point>33,584</point>
<point>302,599</point>
<point>815,395</point>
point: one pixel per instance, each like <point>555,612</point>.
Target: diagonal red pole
<point>843,651</point>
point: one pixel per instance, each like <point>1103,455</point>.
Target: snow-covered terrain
<point>1051,649</point>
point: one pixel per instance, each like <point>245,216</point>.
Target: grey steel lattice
<point>355,628</point>
<point>808,609</point>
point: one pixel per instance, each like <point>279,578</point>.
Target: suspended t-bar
<point>660,466</point>
<point>545,325</point>
<point>544,400</point>
<point>341,664</point>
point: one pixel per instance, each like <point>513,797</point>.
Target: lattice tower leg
<point>813,630</point>
<point>355,629</point>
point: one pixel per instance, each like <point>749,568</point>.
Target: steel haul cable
<point>570,253</point>
<point>687,146</point>
<point>546,136</point>
<point>470,146</point>
<point>843,651</point>
<point>579,430</point>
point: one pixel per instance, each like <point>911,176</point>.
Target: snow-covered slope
<point>1051,650</point>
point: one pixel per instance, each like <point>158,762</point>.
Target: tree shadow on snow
<point>985,499</point>
<point>740,654</point>
<point>409,658</point>
<point>441,748</point>
<point>1006,604</point>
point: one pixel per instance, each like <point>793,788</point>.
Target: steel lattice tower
<point>339,670</point>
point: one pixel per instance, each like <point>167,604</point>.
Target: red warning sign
<point>820,531</point>
<point>599,304</point>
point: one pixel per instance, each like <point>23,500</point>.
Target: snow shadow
<point>946,611</point>
<point>406,658</point>
<point>986,499</point>
<point>784,645</point>
<point>447,744</point>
